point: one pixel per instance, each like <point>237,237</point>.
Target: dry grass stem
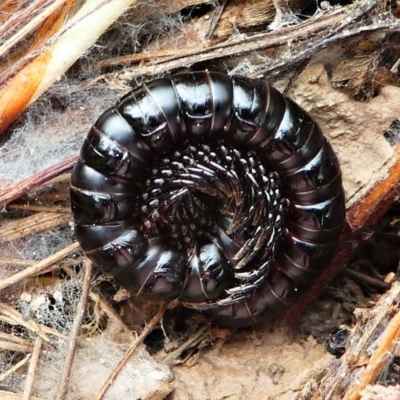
<point>382,353</point>
<point>58,53</point>
<point>194,339</point>
<point>35,223</point>
<point>32,369</point>
<point>148,328</point>
<point>40,267</point>
<point>11,346</point>
<point>322,29</point>
<point>47,8</point>
<point>17,263</point>
<point>14,339</point>
<point>15,396</point>
<point>42,209</point>
<point>113,317</point>
<point>14,369</point>
<point>10,315</point>
<point>76,327</point>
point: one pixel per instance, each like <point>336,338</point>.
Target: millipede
<point>210,188</point>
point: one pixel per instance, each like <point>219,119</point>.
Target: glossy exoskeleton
<point>337,341</point>
<point>210,188</point>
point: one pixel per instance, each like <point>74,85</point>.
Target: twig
<point>15,396</point>
<point>110,313</point>
<point>323,41</point>
<point>215,19</point>
<point>372,343</point>
<point>148,328</point>
<point>76,327</point>
<point>40,266</point>
<point>12,191</point>
<point>14,339</point>
<point>37,208</point>
<point>259,41</point>
<point>192,341</point>
<point>35,223</point>
<point>11,316</point>
<point>16,262</point>
<point>330,27</point>
<point>366,278</point>
<point>378,359</point>
<point>32,369</point>
<point>41,330</point>
<point>15,368</point>
<point>16,317</point>
<point>12,346</point>
<point>46,11</point>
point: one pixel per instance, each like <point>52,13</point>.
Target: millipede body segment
<point>210,188</point>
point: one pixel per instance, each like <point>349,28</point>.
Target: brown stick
<point>12,191</point>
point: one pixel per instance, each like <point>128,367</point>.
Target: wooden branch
<point>329,28</point>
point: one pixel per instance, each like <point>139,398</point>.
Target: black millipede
<point>213,189</point>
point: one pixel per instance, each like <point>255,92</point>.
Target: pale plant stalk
<point>57,54</point>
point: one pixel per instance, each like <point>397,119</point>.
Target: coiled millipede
<point>210,188</point>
